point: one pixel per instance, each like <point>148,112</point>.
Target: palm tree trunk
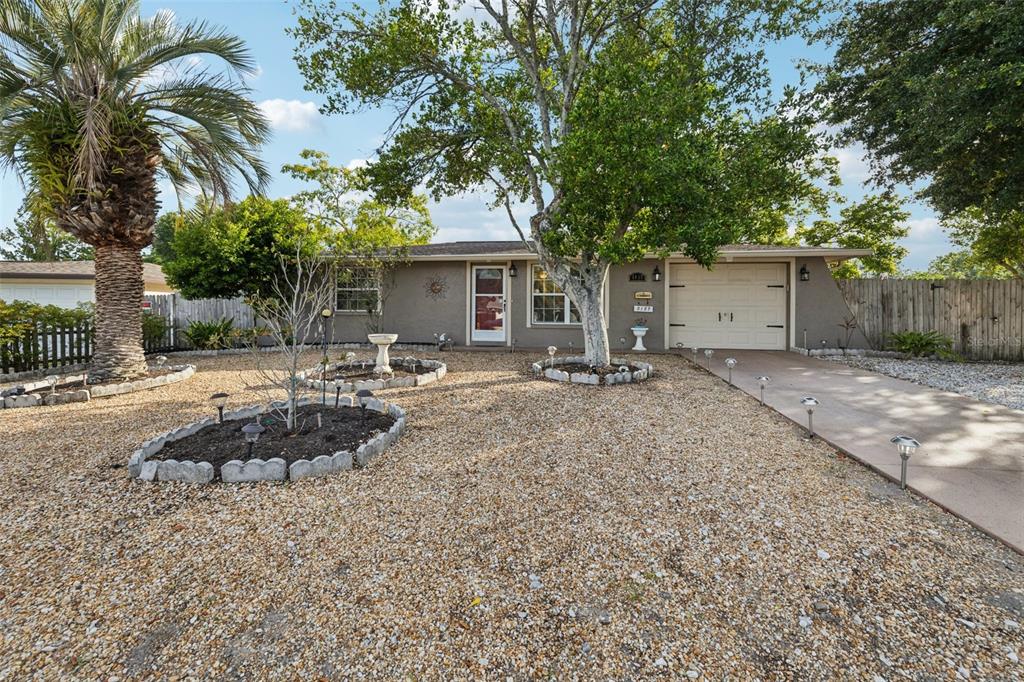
<point>117,346</point>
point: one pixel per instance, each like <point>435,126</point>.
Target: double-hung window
<point>549,304</point>
<point>358,289</point>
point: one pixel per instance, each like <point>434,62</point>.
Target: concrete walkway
<point>971,459</point>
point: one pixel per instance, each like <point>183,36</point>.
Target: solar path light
<point>707,354</point>
<point>810,402</point>
<point>219,400</point>
<point>763,380</point>
<point>905,445</point>
<point>730,363</point>
<point>252,433</point>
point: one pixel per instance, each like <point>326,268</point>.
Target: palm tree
<point>96,105</point>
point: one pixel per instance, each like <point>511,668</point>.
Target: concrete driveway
<point>971,460</point>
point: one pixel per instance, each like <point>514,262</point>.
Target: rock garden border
<point>27,399</point>
<point>256,469</point>
<point>438,372</point>
<point>545,369</point>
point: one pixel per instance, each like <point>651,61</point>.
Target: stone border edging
<point>644,372</point>
<point>857,353</point>
<point>11,377</point>
<point>273,469</point>
<point>439,368</point>
<point>422,347</point>
<point>177,373</point>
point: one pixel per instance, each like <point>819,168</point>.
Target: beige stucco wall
<point>821,308</point>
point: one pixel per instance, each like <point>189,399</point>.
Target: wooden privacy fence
<point>180,312</point>
<point>984,318</point>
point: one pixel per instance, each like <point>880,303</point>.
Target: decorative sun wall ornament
<point>436,287</point>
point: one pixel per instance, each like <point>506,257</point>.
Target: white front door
<point>736,305</point>
<point>488,304</point>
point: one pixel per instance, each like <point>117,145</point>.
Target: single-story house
<point>494,293</point>
<point>63,283</point>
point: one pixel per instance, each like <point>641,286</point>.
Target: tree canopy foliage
<point>875,223</point>
<point>34,237</point>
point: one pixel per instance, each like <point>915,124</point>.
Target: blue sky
<point>349,139</point>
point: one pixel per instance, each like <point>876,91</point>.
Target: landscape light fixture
<point>52,381</point>
<point>656,275</point>
<point>623,368</point>
<point>252,433</point>
<point>325,315</point>
<point>730,363</point>
<point>363,395</point>
<point>763,380</point>
<point>905,445</point>
<point>695,349</point>
<point>512,271</point>
<point>810,402</point>
<point>338,380</point>
<point>707,354</point>
<point>805,274</point>
<point>161,360</point>
<point>219,400</point>
<point>551,352</point>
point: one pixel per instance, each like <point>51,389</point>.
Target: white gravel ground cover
<point>999,383</point>
<point>519,529</point>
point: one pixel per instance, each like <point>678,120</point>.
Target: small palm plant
<point>96,104</point>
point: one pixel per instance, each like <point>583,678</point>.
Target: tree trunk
<point>117,346</point>
<point>590,302</point>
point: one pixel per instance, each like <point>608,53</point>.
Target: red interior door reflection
<point>489,313</point>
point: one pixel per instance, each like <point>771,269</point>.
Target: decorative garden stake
<point>338,380</point>
<point>219,400</point>
<point>810,402</point>
<point>551,351</point>
<point>364,395</point>
<point>763,380</point>
<point>325,315</point>
<point>730,363</point>
<point>905,445</point>
<point>707,354</point>
<point>252,433</point>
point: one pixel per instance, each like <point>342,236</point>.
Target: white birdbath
<point>382,341</point>
<point>639,333</point>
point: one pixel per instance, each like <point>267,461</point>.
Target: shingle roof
<point>516,247</point>
<point>70,269</point>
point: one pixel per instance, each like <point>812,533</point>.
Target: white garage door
<point>63,295</point>
<point>733,306</point>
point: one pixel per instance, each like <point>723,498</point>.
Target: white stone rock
<point>236,471</point>
<point>148,471</point>
<point>189,472</point>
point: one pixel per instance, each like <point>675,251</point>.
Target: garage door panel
<point>737,305</point>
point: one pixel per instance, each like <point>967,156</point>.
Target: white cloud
<point>853,164</point>
<point>923,227</point>
<point>291,115</point>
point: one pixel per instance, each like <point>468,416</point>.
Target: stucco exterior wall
<point>410,312</point>
<point>821,308</point>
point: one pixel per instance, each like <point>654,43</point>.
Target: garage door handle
<point>719,317</point>
<point>730,317</point>
<point>775,326</point>
<point>776,286</point>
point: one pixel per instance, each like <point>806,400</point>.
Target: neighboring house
<point>63,283</point>
<point>494,293</point>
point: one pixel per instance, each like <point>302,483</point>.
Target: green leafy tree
<point>233,251</point>
<point>995,242</point>
<point>626,128</point>
<point>162,250</point>
<point>96,103</point>
<point>933,89</point>
<point>34,237</point>
<point>876,223</point>
<point>962,264</point>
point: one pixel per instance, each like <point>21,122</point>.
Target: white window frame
<point>566,304</point>
<point>376,289</point>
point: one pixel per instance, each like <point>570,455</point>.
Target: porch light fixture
<point>551,353</point>
<point>363,395</point>
<point>656,275</point>
<point>219,400</point>
<point>730,363</point>
<point>763,380</point>
<point>513,271</point>
<point>810,402</point>
<point>905,445</point>
<point>805,274</point>
<point>707,354</point>
<point>252,433</point>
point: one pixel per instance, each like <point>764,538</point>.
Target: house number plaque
<point>643,295</point>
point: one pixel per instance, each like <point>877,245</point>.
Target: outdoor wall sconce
<point>656,275</point>
<point>805,274</point>
<point>905,445</point>
<point>810,403</point>
<point>512,271</point>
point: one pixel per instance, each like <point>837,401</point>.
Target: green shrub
<point>249,336</point>
<point>211,335</point>
<point>154,327</point>
<point>921,344</point>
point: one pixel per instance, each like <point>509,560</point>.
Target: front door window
<point>488,303</point>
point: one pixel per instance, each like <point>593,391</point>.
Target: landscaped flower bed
<point>575,369</point>
<point>70,388</point>
<point>326,439</point>
<point>355,375</point>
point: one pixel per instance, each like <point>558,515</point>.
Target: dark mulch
<point>580,368</point>
<point>221,443</point>
<point>358,371</point>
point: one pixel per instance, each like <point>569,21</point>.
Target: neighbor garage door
<point>732,306</point>
<point>63,295</point>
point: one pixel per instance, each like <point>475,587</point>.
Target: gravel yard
<point>991,382</point>
<point>521,528</point>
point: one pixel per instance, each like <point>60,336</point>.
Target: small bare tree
<point>302,288</point>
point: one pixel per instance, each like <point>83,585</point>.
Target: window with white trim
<point>358,289</point>
<point>550,304</point>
